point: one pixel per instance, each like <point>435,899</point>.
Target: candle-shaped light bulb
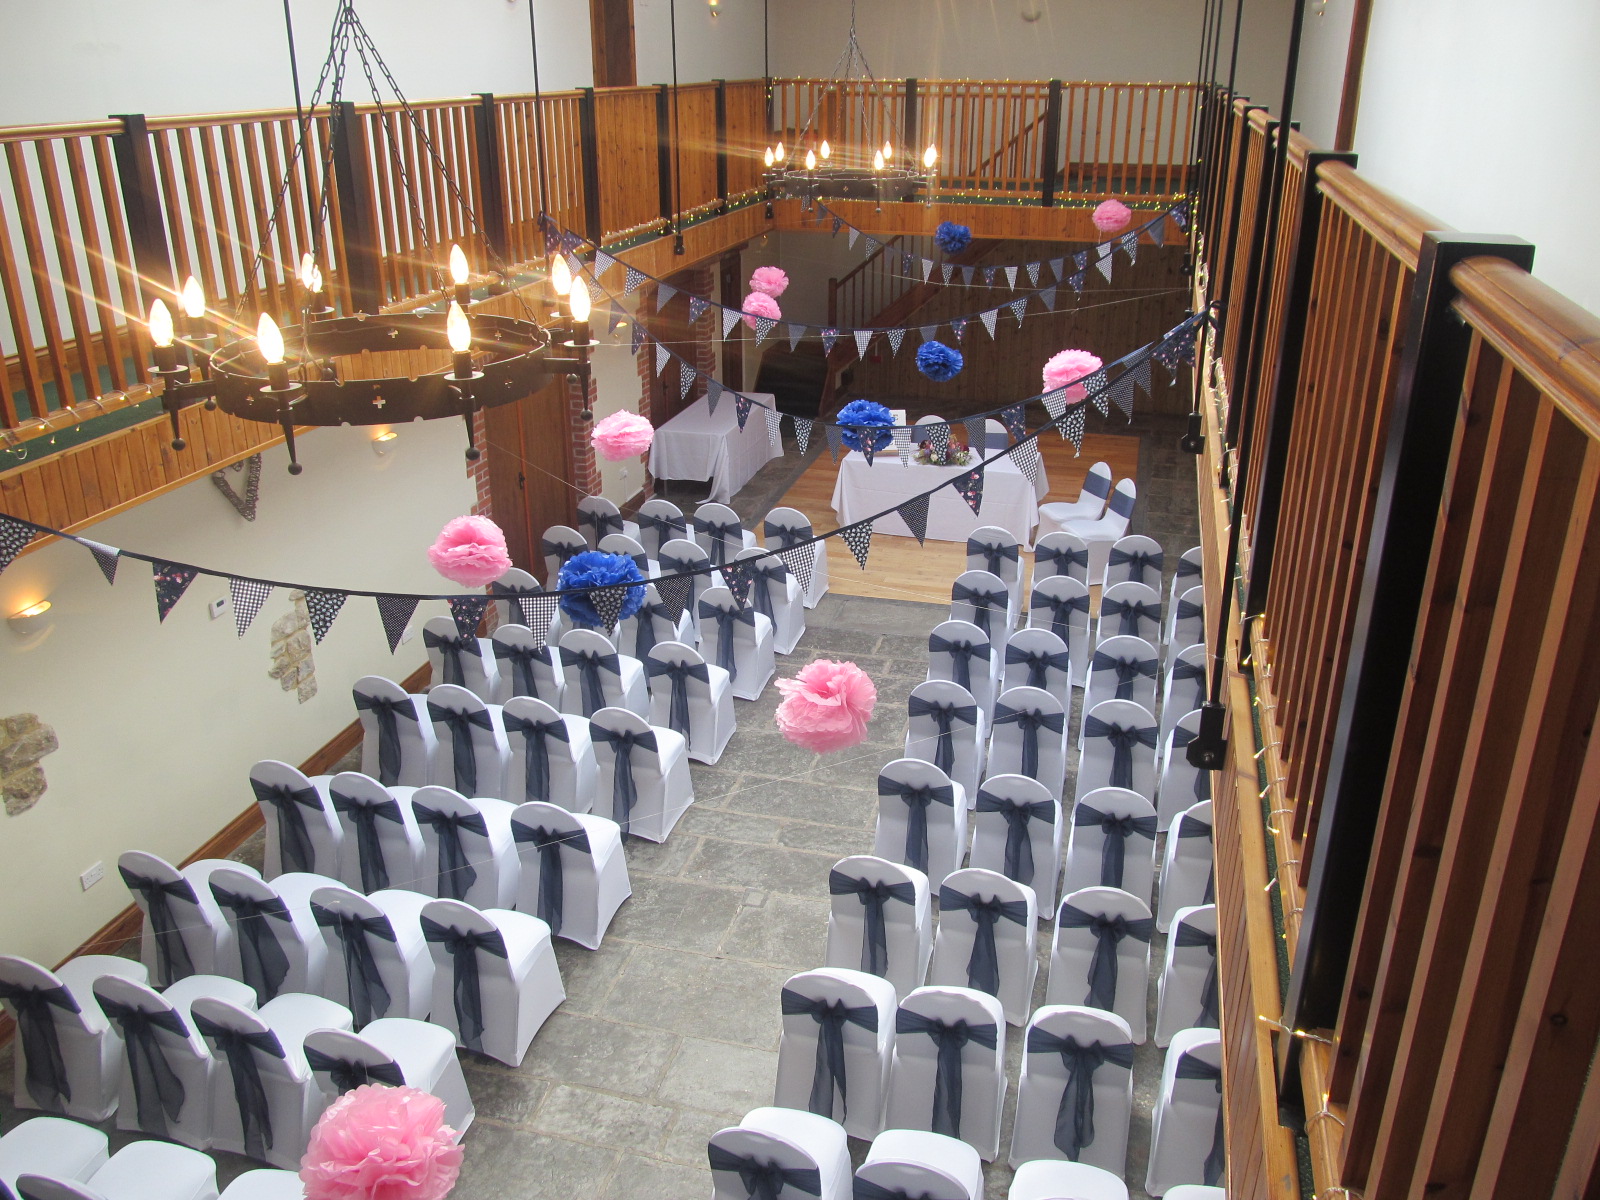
<point>888,151</point>
<point>307,265</point>
<point>769,158</point>
<point>580,304</point>
<point>811,160</point>
<point>779,152</point>
<point>877,161</point>
<point>560,276</point>
<point>269,341</point>
<point>826,151</point>
<point>930,156</point>
<point>161,336</point>
<point>459,332</point>
<point>315,282</point>
<point>194,299</point>
<point>459,274</point>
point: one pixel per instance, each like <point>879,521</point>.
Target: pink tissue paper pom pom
<point>381,1143</point>
<point>622,435</point>
<point>1111,215</point>
<point>826,706</point>
<point>470,551</point>
<point>1068,366</point>
<point>759,304</point>
<point>771,280</point>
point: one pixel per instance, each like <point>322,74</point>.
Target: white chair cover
<point>1060,604</point>
<point>1060,553</point>
<point>660,521</point>
<point>1089,506</point>
<point>999,552</point>
<point>837,1046</point>
<point>643,781</point>
<point>59,1008</point>
<point>1188,988</point>
<point>143,1170</point>
<point>381,847</point>
<point>395,1051</point>
<point>495,978</point>
<point>1188,872</point>
<point>1036,657</point>
<point>1191,570</point>
<point>961,652</point>
<point>1046,1180</point>
<point>467,662</point>
<point>1101,954</point>
<point>1186,617</point>
<point>1119,748</point>
<point>598,516</point>
<point>473,752</point>
<point>1184,689</point>
<point>996,437</point>
<point>946,729</point>
<point>1136,558</point>
<point>812,1153</point>
<point>922,818</point>
<point>1075,1094</point>
<point>986,939</point>
<point>184,933</point>
<point>984,600</point>
<point>507,611</point>
<point>265,1183</point>
<point>1123,668</point>
<point>1195,1191</point>
<point>302,831</point>
<point>574,876</point>
<point>629,547</point>
<point>1112,842</point>
<point>1016,832</point>
<point>1129,609</point>
<point>680,555</point>
<point>691,697</point>
<point>870,896</point>
<point>739,640</point>
<point>777,595</point>
<point>959,1093</point>
<point>638,634</point>
<point>467,852</point>
<point>1186,1140</point>
<point>565,772</point>
<point>526,667</point>
<point>1029,737</point>
<point>598,677</point>
<point>720,533</point>
<point>378,964</point>
<point>53,1147</point>
<point>914,1162</point>
<point>397,739</point>
<point>275,947</point>
<point>787,526</point>
<point>1182,783</point>
<point>1100,535</point>
<point>559,543</point>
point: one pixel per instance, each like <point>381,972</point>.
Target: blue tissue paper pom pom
<point>938,361</point>
<point>865,412</point>
<point>595,568</point>
<point>952,238</point>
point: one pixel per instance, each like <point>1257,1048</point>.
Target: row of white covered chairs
<point>1099,517</point>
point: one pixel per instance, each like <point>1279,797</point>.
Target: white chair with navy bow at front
<point>463,660</point>
<point>1112,842</point>
<point>1188,868</point>
<point>999,552</point>
<point>690,696</point>
<point>1118,748</point>
<point>395,1052</point>
<point>1190,571</point>
<point>557,544</point>
<point>1029,737</point>
<point>643,782</point>
<point>922,818</point>
<point>739,640</point>
<point>53,1147</point>
<point>378,964</point>
<point>598,517</point>
<point>1046,1179</point>
<point>1182,783</point>
<point>1185,687</point>
<point>983,599</point>
<point>837,1046</point>
<point>1100,535</point>
<point>60,1006</point>
<point>684,555</point>
<point>473,751</point>
<point>660,521</point>
<point>629,547</point>
<point>1186,1128</point>
<point>574,876</point>
<point>467,852</point>
<point>397,739</point>
<point>1137,559</point>
<point>638,635</point>
<point>184,930</point>
<point>1089,506</point>
<point>1037,658</point>
<point>811,1155</point>
<point>275,947</point>
<point>1129,609</point>
<point>1059,553</point>
<point>142,1170</point>
<point>1074,1055</point>
<point>505,590</point>
<point>1123,668</point>
<point>962,653</point>
<point>985,940</point>
<point>527,668</point>
<point>878,920</point>
<point>552,758</point>
<point>1186,619</point>
<point>924,1092</point>
<point>381,847</point>
<point>788,527</point>
<point>1060,604</point>
<point>1101,954</point>
<point>1196,1191</point>
<point>1016,832</point>
<point>720,533</point>
<point>914,1162</point>
<point>302,830</point>
<point>495,978</point>
<point>1187,997</point>
<point>776,593</point>
<point>598,677</point>
<point>946,729</point>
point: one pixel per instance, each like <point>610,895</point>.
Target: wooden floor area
<point>897,567</point>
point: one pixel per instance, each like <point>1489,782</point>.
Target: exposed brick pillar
<point>478,470</point>
<point>584,472</point>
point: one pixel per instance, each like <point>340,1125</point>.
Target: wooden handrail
<point>1394,223</point>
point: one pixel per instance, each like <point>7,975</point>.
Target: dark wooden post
<point>1244,316</point>
<point>664,153</point>
<point>913,132</point>
<point>1050,152</point>
<point>358,218</point>
<point>722,144</point>
<point>589,143</point>
<point>141,200</point>
<point>491,179</point>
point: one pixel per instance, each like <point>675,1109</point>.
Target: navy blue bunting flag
<point>1076,281</point>
<point>247,597</point>
<point>988,276</point>
<point>914,512</point>
<point>928,332</point>
<point>741,408</point>
<point>835,438</point>
<point>697,306</point>
<point>736,578</point>
<point>977,434</point>
<point>970,488</point>
<point>467,611</point>
<point>323,604</point>
<point>1080,259</point>
<point>859,538</point>
<point>959,325</point>
<point>895,336</point>
<point>800,560</point>
<point>395,613</point>
<point>608,602</point>
<point>171,580</point>
<point>938,434</point>
<point>796,332</point>
<point>1015,420</point>
<point>14,535</point>
<point>713,394</point>
<point>1033,274</point>
<point>105,557</point>
<point>1122,393</point>
<point>538,614</point>
<point>802,432</point>
<point>665,293</point>
<point>1059,267</point>
<point>686,378</point>
<point>967,274</point>
<point>1018,307</point>
<point>631,283</point>
<point>1071,425</point>
<point>1048,297</point>
<point>829,337</point>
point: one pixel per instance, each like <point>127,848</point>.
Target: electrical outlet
<point>92,876</point>
<point>217,607</point>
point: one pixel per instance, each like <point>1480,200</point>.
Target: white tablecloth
<point>696,444</point>
<point>862,490</point>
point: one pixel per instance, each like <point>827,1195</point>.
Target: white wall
<point>160,722</point>
<point>726,45</point>
<point>1324,45</point>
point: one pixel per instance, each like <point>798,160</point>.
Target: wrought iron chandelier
<point>310,373</point>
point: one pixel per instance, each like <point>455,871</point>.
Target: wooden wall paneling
<point>611,39</point>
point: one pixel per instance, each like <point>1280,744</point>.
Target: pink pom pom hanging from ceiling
<point>759,304</point>
<point>770,280</point>
<point>1111,215</point>
<point>470,551</point>
<point>826,706</point>
<point>1067,366</point>
<point>381,1143</point>
<point>621,436</point>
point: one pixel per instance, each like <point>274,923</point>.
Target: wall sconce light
<point>381,442</point>
<point>715,7</point>
<point>31,620</point>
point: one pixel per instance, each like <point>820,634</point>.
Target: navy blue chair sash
<point>521,660</point>
<point>625,793</point>
<point>1129,613</point>
<point>158,1093</point>
<point>1030,722</point>
<point>950,1038</point>
<point>1181,737</point>
<point>590,663</point>
<point>873,896</point>
<point>45,1075</point>
<point>348,1075</point>
<point>387,712</point>
<point>1190,672</point>
<point>944,717</point>
<point>994,557</point>
<point>983,603</point>
<point>1138,562</point>
<point>917,798</point>
<point>1128,671</point>
<point>1019,845</point>
<point>369,849</point>
<point>456,872</point>
<point>262,959</point>
<point>961,655</point>
<point>1123,739</point>
<point>1192,1067</point>
<point>172,956</point>
<point>828,1076</point>
<point>467,988</point>
<point>1040,663</point>
<point>1061,611</point>
<point>1188,935</point>
<point>1075,1115</point>
<point>535,750</point>
<point>369,997</point>
<point>719,533</point>
<point>644,628</point>
<point>1108,931</point>
<point>450,649</point>
<point>294,839</point>
<point>680,674</point>
<point>1116,831</point>
<point>1059,560</point>
<point>463,754</point>
<point>725,619</point>
<point>552,886</point>
<point>239,1048</point>
<point>764,1180</point>
<point>983,963</point>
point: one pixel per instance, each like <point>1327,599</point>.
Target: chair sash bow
<point>961,655</point>
<point>549,842</point>
<point>944,716</point>
<point>679,673</point>
<point>262,959</point>
<point>1128,671</point>
<point>666,526</point>
<point>158,1093</point>
<point>644,628</point>
<point>1129,613</point>
<point>1188,935</point>
<point>1108,932</point>
<point>994,557</point>
<point>1061,610</point>
<point>347,1075</point>
<point>521,660</point>
<point>1137,562</point>
<point>950,1038</point>
<point>46,1071</point>
<point>536,751</point>
<point>369,998</point>
<point>873,896</point>
<point>1019,845</point>
<point>764,1180</point>
<point>463,754</point>
<point>1123,739</point>
<point>1029,721</point>
<point>456,872</point>
<point>917,799</point>
<point>625,793</point>
<point>294,839</point>
<point>1075,1115</point>
<point>239,1048</point>
<point>387,713</point>
<point>369,848</point>
<point>463,945</point>
<point>983,963</point>
<point>589,664</point>
<point>1116,832</point>
<point>1191,672</point>
<point>1192,1067</point>
<point>1181,737</point>
<point>828,1076</point>
<point>982,603</point>
<point>172,955</point>
<point>719,533</point>
<point>1040,663</point>
<point>450,649</point>
<point>725,619</point>
<point>1060,560</point>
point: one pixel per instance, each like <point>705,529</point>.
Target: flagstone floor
<point>670,1030</point>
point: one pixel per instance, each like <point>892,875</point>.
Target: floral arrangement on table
<point>955,455</point>
<point>861,415</point>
